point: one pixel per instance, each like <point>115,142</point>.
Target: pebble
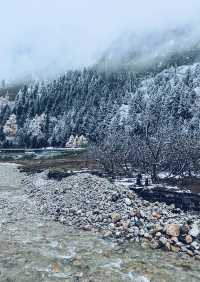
<point>188,239</point>
<point>156,215</point>
<point>127,201</point>
<point>116,217</point>
<point>107,234</point>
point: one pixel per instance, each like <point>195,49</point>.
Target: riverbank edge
<point>181,234</point>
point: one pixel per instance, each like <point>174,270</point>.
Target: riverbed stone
<point>116,217</point>
<point>158,234</point>
<point>197,257</point>
<point>175,249</point>
<point>174,240</point>
<point>163,241</point>
<point>188,239</point>
<point>172,230</point>
<point>190,253</point>
<point>184,229</point>
<point>107,234</point>
<point>156,215</point>
<point>141,279</point>
<point>195,245</point>
<point>127,201</point>
<point>167,246</point>
<point>195,230</point>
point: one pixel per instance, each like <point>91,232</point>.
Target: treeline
<point>80,102</point>
<point>150,123</point>
<point>161,131</point>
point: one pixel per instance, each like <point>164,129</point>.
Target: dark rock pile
<point>94,204</point>
<point>185,200</point>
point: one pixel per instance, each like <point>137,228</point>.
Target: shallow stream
<point>35,249</point>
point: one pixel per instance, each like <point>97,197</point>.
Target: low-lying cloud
<point>47,37</point>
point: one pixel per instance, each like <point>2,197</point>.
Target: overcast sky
<point>46,37</point>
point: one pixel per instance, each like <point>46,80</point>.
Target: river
<point>35,249</point>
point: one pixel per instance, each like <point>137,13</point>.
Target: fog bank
<point>48,37</point>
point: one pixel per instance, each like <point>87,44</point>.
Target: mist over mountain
<point>44,39</point>
<point>153,51</point>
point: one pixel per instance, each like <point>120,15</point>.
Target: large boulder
<point>172,230</point>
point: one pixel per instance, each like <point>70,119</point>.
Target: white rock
<point>141,279</point>
<point>127,201</point>
<point>195,245</point>
<point>194,231</point>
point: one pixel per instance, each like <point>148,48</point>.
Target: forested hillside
<point>118,111</point>
<point>78,102</point>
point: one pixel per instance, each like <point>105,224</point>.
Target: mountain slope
<point>89,102</point>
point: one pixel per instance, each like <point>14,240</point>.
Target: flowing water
<point>33,248</point>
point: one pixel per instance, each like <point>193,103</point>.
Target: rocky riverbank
<point>94,204</point>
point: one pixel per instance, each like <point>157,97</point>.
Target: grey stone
<point>194,231</point>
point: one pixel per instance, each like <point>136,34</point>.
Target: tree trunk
<point>154,176</point>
